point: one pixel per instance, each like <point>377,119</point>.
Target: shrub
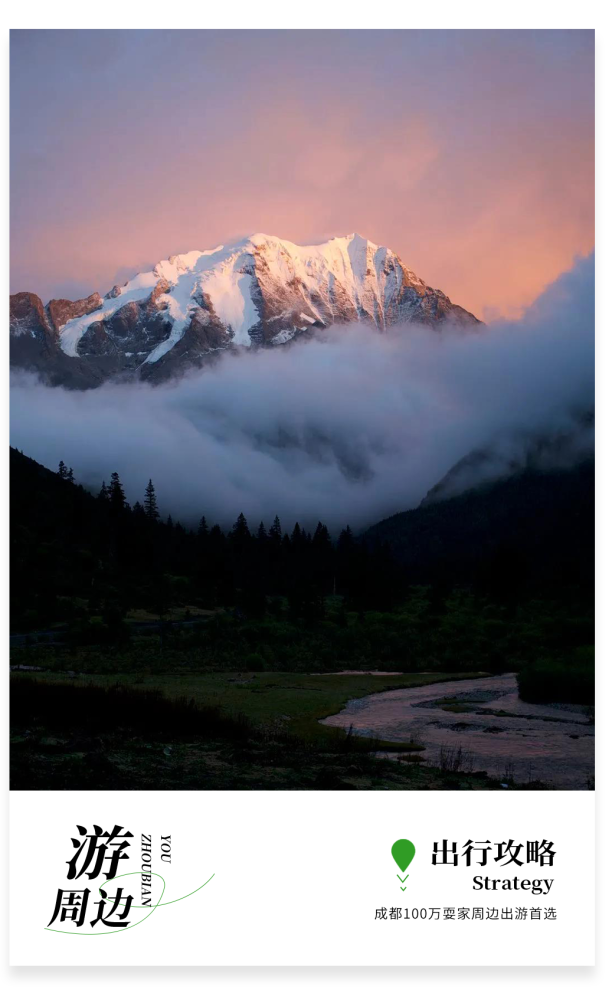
<point>549,680</point>
<point>254,662</point>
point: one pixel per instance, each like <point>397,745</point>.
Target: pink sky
<point>468,153</point>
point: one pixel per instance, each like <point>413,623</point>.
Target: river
<point>551,743</point>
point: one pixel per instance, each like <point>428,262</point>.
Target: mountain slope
<point>260,292</point>
<point>530,531</point>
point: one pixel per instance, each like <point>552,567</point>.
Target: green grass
<point>295,702</point>
<point>98,733</point>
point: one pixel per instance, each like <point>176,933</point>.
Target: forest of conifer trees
<point>115,556</point>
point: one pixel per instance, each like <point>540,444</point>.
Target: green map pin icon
<point>403,852</point>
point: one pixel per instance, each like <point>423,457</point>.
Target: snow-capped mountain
<point>260,292</point>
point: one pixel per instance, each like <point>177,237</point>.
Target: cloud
<point>349,427</point>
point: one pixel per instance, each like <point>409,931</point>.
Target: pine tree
<point>240,531</point>
<point>322,552</point>
<point>203,528</point>
<point>116,494</point>
<point>150,504</point>
<point>62,471</point>
<point>139,510</point>
<point>70,475</point>
<point>345,540</point>
<point>321,540</point>
<point>216,535</point>
<point>103,494</point>
<point>275,534</point>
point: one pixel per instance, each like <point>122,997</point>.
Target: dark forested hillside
<point>74,555</point>
<point>495,578</point>
<point>530,533</point>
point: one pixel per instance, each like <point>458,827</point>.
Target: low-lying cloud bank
<point>350,427</point>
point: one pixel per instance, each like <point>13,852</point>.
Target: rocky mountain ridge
<point>261,292</point>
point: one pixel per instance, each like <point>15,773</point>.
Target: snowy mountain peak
<point>261,291</point>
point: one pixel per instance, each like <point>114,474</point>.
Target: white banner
<point>302,878</point>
